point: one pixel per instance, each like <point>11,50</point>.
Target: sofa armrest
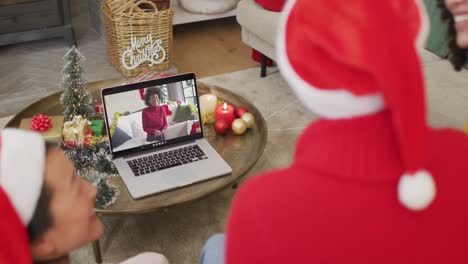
<point>258,20</point>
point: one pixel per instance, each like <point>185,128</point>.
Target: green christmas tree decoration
<point>106,194</point>
<point>93,163</point>
<point>74,98</point>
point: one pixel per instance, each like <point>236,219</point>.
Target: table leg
<point>97,251</point>
<point>263,66</point>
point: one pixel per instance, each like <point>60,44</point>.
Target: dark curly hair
<point>41,220</point>
<point>457,55</point>
<point>150,91</point>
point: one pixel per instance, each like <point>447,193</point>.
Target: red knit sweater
<point>14,242</point>
<point>337,202</point>
<point>154,118</point>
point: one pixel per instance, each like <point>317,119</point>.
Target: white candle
<point>208,104</point>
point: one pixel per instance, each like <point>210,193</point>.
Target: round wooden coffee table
<point>240,152</point>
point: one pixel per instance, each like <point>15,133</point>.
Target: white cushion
<point>173,108</point>
<point>208,6</point>
<point>125,122</point>
<point>189,126</point>
<point>261,22</point>
<point>176,130</point>
<point>137,130</point>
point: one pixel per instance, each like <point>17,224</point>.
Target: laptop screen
<point>152,114</point>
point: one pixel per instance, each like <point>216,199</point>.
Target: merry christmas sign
<point>141,50</point>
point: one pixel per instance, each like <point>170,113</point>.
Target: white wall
<point>121,102</point>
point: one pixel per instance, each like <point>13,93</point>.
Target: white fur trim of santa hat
<point>22,162</point>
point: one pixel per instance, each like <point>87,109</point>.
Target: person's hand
<point>157,133</point>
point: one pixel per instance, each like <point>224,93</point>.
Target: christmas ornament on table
<point>41,122</point>
<point>74,98</point>
<point>239,126</point>
<point>53,134</point>
<point>249,119</point>
<point>75,129</point>
<point>208,103</point>
<point>97,126</point>
<point>240,111</point>
<point>221,127</point>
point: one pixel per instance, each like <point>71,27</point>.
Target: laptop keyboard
<point>166,160</point>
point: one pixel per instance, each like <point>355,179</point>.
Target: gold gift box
<point>53,134</point>
<point>75,129</point>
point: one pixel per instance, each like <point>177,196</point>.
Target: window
<point>164,93</point>
<point>189,92</point>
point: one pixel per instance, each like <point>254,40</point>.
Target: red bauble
<point>240,111</point>
<point>41,122</point>
<point>221,126</point>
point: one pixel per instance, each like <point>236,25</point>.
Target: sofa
<point>129,131</point>
<point>259,28</point>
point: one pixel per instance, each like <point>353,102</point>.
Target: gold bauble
<point>239,126</point>
<point>249,119</point>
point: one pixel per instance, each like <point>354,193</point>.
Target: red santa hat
<point>14,244</point>
<point>345,60</point>
<point>22,161</point>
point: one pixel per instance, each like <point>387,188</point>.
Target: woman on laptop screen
<point>154,116</point>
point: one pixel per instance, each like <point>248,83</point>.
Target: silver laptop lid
<point>152,114</point>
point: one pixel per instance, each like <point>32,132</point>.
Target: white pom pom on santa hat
<point>416,191</point>
<point>22,163</point>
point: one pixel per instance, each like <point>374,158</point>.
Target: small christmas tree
<point>75,100</point>
<point>93,163</point>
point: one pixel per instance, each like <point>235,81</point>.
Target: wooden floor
<point>211,48</point>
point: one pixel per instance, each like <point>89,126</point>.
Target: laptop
<point>156,136</point>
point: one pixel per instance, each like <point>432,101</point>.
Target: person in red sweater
<point>154,118</point>
<point>370,182</point>
<point>14,244</point>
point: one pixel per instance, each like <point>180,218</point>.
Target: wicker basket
<point>138,36</point>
